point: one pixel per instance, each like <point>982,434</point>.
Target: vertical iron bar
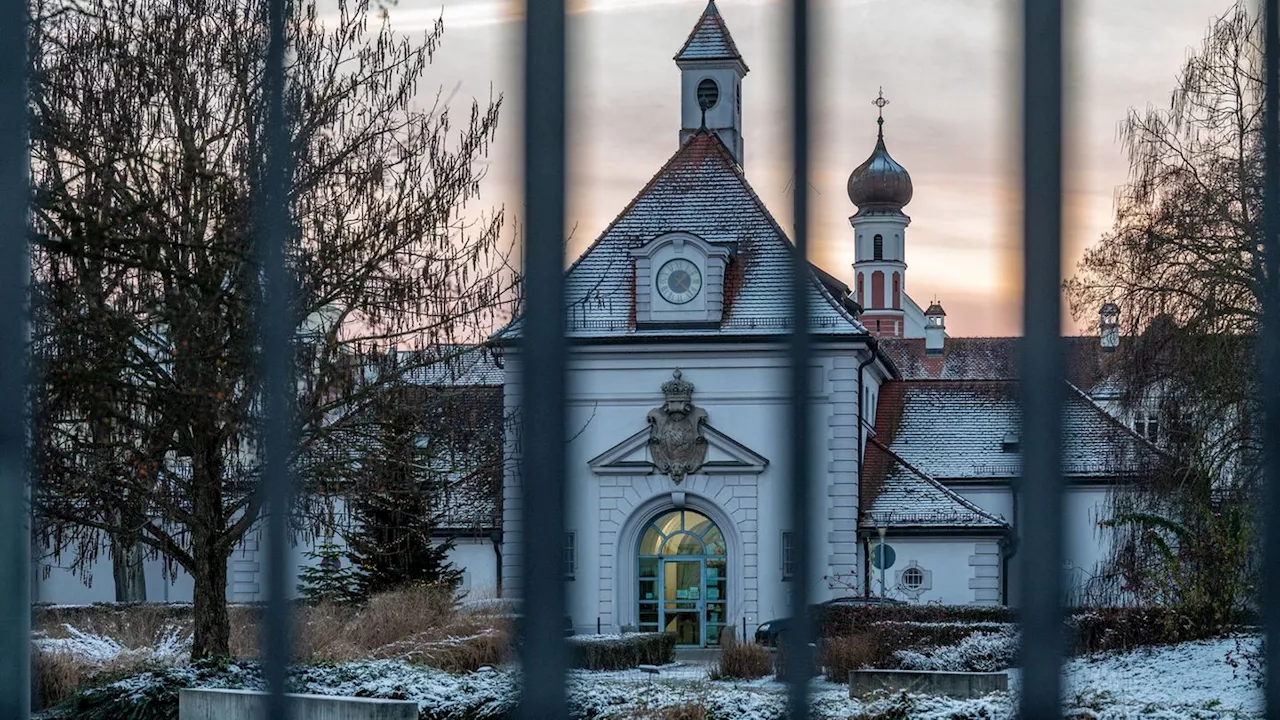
<point>1269,350</point>
<point>543,654</point>
<point>799,658</point>
<point>15,513</point>
<point>276,348</point>
<point>1040,483</point>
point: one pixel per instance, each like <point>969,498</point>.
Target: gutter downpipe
<point>874,347</point>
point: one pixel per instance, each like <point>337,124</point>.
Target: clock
<point>679,281</point>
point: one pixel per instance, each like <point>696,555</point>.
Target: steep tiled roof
<point>994,358</point>
<point>902,496</point>
<point>458,365</point>
<point>957,430</point>
<point>710,39</point>
<point>701,190</point>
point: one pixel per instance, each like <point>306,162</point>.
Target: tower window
<point>877,247</point>
<point>708,94</point>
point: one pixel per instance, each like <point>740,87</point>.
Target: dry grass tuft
<point>420,625</point>
<point>739,660</point>
<point>135,627</point>
<point>57,676</point>
<point>841,655</point>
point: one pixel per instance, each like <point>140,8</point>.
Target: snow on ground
<point>1187,681</point>
<point>174,647</point>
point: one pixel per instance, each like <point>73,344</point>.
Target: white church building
<point>677,482</point>
<point>678,318</point>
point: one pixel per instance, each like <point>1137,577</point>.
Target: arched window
<point>861,282</point>
<point>877,247</point>
<point>877,289</point>
<point>683,578</point>
<point>897,291</point>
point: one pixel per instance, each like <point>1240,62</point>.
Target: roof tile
<point>701,190</point>
<point>709,39</point>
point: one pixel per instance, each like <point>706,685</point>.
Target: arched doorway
<point>682,573</point>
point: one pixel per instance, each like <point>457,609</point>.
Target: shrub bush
<point>1104,629</point>
<point>844,620</point>
<point>745,661</point>
<point>979,652</point>
<point>622,652</point>
<point>839,656</point>
<point>151,695</point>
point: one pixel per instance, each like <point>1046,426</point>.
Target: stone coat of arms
<point>675,440</point>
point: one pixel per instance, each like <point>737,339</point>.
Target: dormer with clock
<point>680,281</point>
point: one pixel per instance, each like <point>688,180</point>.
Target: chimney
<point>1109,327</point>
<point>935,329</point>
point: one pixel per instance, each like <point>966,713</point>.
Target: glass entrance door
<point>683,584</point>
<point>682,600</point>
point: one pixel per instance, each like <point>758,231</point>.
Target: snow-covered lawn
<point>1189,680</point>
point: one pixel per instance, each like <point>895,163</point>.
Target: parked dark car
<point>768,633</point>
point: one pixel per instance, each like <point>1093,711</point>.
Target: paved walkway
<point>697,656</point>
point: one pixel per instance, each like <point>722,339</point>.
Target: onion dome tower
<point>880,188</point>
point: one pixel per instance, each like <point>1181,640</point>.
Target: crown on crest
<point>678,389</point>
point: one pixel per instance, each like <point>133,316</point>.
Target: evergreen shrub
<point>621,652</point>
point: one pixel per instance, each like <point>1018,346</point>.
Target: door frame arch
<point>626,578</point>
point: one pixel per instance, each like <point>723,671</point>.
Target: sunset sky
<point>948,67</point>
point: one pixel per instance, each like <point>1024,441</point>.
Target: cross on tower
<point>880,102</point>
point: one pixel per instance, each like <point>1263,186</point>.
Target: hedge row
<point>845,620</point>
<point>1104,629</point>
<point>622,652</point>
<point>1088,630</point>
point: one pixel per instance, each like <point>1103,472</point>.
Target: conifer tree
<point>331,579</point>
<point>392,541</point>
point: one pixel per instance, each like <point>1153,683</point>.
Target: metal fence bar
<point>1269,350</point>
<point>276,347</point>
<point>15,513</point>
<point>799,658</point>
<point>1040,484</point>
<point>543,354</point>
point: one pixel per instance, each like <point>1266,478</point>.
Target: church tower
<point>880,187</point>
<point>711,72</point>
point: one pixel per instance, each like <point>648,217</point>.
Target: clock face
<point>679,281</point>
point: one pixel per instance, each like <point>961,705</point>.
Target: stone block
<point>960,685</point>
<point>215,704</point>
<point>986,583</point>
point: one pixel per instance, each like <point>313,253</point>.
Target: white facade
<point>742,387</point>
<point>55,582</point>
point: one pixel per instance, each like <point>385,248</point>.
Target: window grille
<point>570,555</point>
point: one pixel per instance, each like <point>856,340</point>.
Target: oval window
<point>708,94</point>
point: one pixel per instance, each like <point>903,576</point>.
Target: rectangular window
<point>788,555</point>
<point>570,555</point>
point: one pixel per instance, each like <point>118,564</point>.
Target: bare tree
<point>147,136</point>
<point>1183,261</point>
